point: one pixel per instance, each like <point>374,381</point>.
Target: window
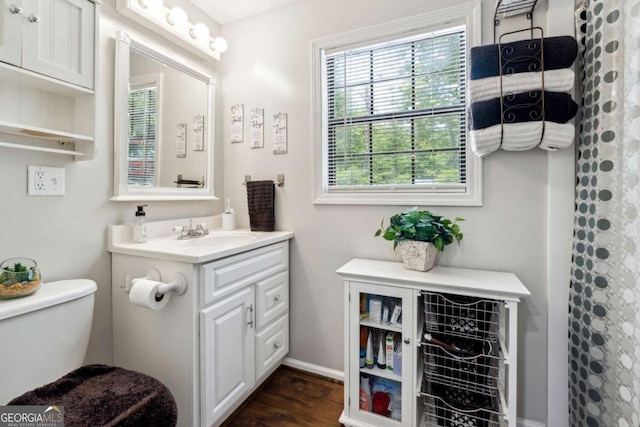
<point>393,114</point>
<point>143,144</point>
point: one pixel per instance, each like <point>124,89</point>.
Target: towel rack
<point>188,183</point>
<point>279,182</point>
<point>505,9</point>
<point>508,8</point>
<point>538,106</point>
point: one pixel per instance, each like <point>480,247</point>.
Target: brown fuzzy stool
<point>100,395</point>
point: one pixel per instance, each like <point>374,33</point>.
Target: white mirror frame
<point>122,191</point>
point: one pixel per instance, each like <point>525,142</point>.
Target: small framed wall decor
<point>181,140</point>
<point>198,133</point>
<point>257,128</point>
<point>280,133</point>
<point>237,123</point>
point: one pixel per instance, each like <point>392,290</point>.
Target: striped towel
<point>554,81</point>
<point>521,137</point>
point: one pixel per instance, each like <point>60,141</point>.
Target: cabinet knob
<point>407,340</point>
<point>34,19</point>
<point>277,345</point>
<point>277,298</point>
<point>16,10</point>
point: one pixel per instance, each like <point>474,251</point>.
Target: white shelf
<point>42,149</point>
<point>382,373</point>
<point>42,133</point>
<point>385,326</point>
<point>34,138</point>
<point>40,81</point>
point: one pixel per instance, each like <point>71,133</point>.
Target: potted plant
<point>419,236</point>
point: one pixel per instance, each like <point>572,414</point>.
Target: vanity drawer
<point>227,275</point>
<point>272,344</point>
<point>272,298</point>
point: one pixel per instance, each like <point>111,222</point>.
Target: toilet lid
<point>49,294</point>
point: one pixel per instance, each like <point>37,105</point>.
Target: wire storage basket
<point>462,316</point>
<point>455,407</point>
<point>466,364</point>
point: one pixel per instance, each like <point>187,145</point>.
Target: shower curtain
<point>604,301</point>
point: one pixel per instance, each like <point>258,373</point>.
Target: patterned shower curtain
<point>604,318</point>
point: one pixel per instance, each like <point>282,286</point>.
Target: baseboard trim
<point>522,422</point>
<point>339,375</point>
<point>316,369</point>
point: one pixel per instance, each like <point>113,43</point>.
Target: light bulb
<point>151,4</point>
<point>219,45</point>
<point>199,31</point>
<point>177,16</point>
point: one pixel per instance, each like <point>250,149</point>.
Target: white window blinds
<point>396,114</point>
<point>141,161</point>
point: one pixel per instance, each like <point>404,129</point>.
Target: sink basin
<point>165,245</point>
<point>221,239</point>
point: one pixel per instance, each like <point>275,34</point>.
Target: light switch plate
<point>45,181</point>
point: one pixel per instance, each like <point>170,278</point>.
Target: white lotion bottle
<point>228,219</point>
<point>368,360</point>
<point>140,225</point>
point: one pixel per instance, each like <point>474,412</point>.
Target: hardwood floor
<point>292,398</point>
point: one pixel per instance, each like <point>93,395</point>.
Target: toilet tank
<point>44,335</point>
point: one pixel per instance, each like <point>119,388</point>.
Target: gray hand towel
<point>260,200</point>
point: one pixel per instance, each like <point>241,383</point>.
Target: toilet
<point>44,341</point>
<point>44,335</point>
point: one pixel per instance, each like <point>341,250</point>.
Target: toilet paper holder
<point>178,285</point>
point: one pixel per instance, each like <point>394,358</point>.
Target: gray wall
<point>268,65</point>
<point>67,235</point>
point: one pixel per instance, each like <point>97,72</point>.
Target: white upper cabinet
<point>48,56</point>
<point>55,38</point>
<point>11,24</point>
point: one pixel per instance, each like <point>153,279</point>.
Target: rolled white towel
<point>521,137</point>
<point>489,87</point>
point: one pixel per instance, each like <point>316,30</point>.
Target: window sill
<point>399,198</point>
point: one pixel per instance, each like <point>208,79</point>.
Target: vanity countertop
<point>163,242</point>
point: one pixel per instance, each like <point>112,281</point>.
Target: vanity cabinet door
<point>11,31</point>
<point>59,39</point>
<point>227,353</point>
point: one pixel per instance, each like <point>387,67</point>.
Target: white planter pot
<point>417,255</point>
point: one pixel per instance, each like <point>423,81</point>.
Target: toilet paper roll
<point>144,293</point>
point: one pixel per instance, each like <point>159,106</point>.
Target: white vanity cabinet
<point>456,341</point>
<point>244,325</point>
<point>216,343</point>
<point>54,38</point>
<point>48,57</point>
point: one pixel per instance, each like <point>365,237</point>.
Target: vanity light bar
<point>174,25</point>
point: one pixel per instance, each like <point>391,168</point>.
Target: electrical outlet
<point>45,181</point>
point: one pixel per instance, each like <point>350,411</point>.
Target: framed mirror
<point>163,126</point>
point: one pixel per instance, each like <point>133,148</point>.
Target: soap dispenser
<point>140,225</point>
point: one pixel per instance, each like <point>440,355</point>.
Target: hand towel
<point>522,136</point>
<point>523,107</point>
<point>522,56</point>
<point>260,200</point>
<point>487,88</point>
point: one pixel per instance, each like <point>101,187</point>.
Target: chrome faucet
<point>192,233</point>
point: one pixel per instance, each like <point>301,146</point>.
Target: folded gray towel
<point>522,56</point>
<point>523,107</point>
<point>260,200</point>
